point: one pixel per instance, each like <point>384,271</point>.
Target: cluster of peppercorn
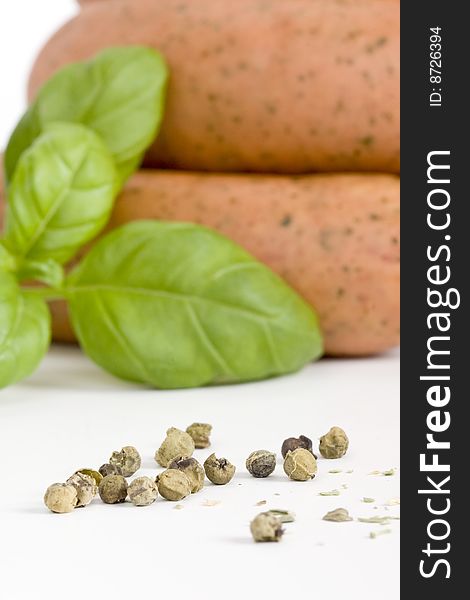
<point>184,475</point>
<point>300,464</point>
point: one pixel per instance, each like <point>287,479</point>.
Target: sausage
<point>333,238</point>
<point>281,86</point>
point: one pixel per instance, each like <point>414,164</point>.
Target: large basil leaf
<point>178,305</point>
<point>119,94</point>
<point>24,331</point>
<point>61,195</point>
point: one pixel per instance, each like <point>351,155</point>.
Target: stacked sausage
<point>264,95</point>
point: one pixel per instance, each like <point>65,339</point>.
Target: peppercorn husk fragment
<point>127,459</point>
<point>339,515</point>
<point>285,516</point>
<point>261,463</point>
<point>173,484</point>
<point>334,444</point>
<point>113,489</point>
<point>330,493</point>
<point>385,520</point>
<point>200,432</point>
<point>375,534</point>
<point>266,527</point>
<point>300,465</point>
<point>142,491</point>
<point>192,469</point>
<point>218,470</point>
<point>292,443</point>
<point>61,498</point>
<point>177,443</point>
<point>86,487</point>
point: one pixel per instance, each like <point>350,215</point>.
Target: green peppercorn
<point>334,444</point>
<point>200,432</point>
<point>173,484</point>
<point>261,463</point>
<point>300,465</point>
<point>113,489</point>
<point>218,470</point>
<point>127,459</point>
<point>142,491</point>
<point>266,528</point>
<point>109,469</point>
<point>60,497</point>
<point>192,469</point>
<point>86,487</point>
<point>177,443</point>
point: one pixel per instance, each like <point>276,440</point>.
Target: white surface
<point>70,415</point>
<point>25,25</point>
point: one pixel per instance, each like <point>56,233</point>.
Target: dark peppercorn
<point>261,463</point>
<point>292,443</point>
<point>108,469</point>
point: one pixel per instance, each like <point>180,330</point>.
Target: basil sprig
<point>170,305</point>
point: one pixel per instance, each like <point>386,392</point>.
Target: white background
<point>25,25</point>
<point>69,414</point>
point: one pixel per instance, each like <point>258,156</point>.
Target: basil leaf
<point>45,271</point>
<point>178,305</point>
<point>7,261</point>
<point>24,331</point>
<point>61,195</point>
<point>27,130</point>
<point>119,94</point>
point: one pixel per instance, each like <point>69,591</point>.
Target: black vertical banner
<point>435,165</point>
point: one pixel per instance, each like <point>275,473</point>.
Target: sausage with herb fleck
<point>283,86</point>
<point>333,238</point>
